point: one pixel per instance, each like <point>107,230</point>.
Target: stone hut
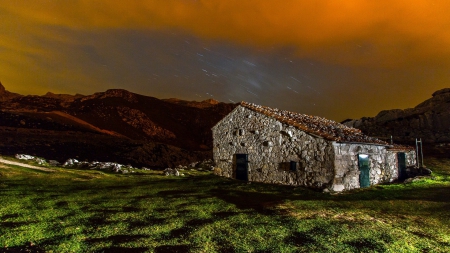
<point>262,144</point>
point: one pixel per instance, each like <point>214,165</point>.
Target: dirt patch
<point>25,165</point>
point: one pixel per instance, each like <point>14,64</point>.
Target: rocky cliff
<point>116,125</point>
<point>430,120</point>
<point>6,95</point>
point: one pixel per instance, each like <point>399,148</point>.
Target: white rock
<point>338,187</point>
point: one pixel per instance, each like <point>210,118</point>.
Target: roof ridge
<point>328,129</point>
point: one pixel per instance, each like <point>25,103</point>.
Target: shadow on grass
<point>9,216</point>
<point>98,220</point>
<point>315,238</point>
<point>261,197</point>
<point>189,227</point>
<point>146,222</point>
<point>117,238</point>
<point>436,194</point>
<point>131,209</point>
<point>224,215</point>
<point>176,193</point>
<point>300,239</point>
<point>35,247</point>
<point>260,202</point>
<point>29,247</point>
<point>172,249</point>
<point>62,204</point>
<point>123,250</point>
<point>224,246</point>
<point>10,224</point>
<point>366,245</point>
<point>429,237</point>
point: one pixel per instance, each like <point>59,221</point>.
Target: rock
<point>426,171</point>
<point>70,162</point>
<point>54,163</point>
<point>24,157</point>
<point>116,167</point>
<point>430,120</point>
<point>408,181</point>
<point>440,92</point>
<point>171,172</point>
<point>40,161</point>
<point>338,187</point>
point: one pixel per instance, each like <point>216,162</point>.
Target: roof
<point>399,147</point>
<point>328,129</point>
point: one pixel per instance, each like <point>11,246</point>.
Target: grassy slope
<point>91,211</point>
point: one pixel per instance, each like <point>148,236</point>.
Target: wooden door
<point>364,169</point>
<point>401,159</point>
<point>242,167</point>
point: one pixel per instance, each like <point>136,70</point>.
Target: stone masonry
<point>272,145</point>
<point>383,164</point>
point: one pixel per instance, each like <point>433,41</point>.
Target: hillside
<point>430,120</point>
<point>115,124</point>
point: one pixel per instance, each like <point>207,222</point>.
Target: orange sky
<point>370,51</point>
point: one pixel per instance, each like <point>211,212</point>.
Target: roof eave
<point>362,143</point>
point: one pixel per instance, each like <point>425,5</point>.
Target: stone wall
<point>270,146</point>
<point>383,164</point>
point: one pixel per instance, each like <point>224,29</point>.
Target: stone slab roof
<point>399,147</point>
<point>328,129</point>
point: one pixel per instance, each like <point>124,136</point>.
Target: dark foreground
<point>91,211</point>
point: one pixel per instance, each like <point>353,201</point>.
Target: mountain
<point>430,120</point>
<point>6,95</point>
<point>115,125</point>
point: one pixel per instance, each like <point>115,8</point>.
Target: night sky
<point>336,59</point>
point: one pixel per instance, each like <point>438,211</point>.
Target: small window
<point>293,166</point>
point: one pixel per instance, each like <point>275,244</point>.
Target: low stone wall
<point>270,146</point>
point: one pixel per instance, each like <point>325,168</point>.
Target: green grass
<point>91,211</point>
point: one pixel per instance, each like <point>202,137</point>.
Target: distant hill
<point>116,124</point>
<point>430,120</point>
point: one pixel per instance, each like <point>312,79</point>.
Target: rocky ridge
<point>113,125</point>
<point>6,95</point>
<point>430,121</point>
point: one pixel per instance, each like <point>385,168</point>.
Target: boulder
<point>54,163</point>
<point>24,157</point>
<point>70,162</point>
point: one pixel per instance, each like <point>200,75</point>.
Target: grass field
<point>92,211</point>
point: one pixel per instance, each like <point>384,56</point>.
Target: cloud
<point>345,32</point>
<point>357,53</point>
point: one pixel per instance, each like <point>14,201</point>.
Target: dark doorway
<point>242,167</point>
<point>364,169</point>
<point>401,159</point>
